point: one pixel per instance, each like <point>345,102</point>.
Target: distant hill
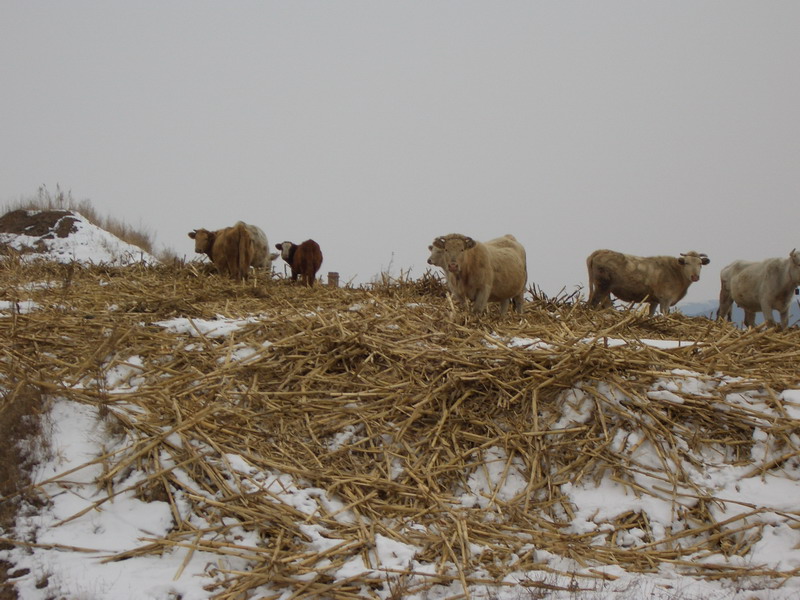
<point>65,236</point>
<point>709,309</point>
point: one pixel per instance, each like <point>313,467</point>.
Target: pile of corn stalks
<point>388,398</point>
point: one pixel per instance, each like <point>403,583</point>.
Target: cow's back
<point>261,254</point>
<point>509,267</point>
<point>475,270</point>
<point>233,251</point>
<point>310,255</point>
<point>634,278</point>
<point>749,281</point>
<point>624,275</point>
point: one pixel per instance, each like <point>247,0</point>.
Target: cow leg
<point>504,306</point>
<point>654,307</point>
<point>294,275</point>
<point>749,318</point>
<point>481,299</point>
<point>518,300</point>
<point>725,303</point>
<point>600,297</point>
<point>310,280</point>
<point>766,308</point>
<point>458,296</point>
<point>784,318</point>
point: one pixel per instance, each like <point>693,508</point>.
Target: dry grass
<point>422,392</point>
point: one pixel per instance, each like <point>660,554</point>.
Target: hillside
<point>65,236</point>
<point>203,438</point>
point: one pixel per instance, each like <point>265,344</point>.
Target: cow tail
<point>591,277</point>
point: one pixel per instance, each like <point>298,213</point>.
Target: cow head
<point>203,240</point>
<point>691,263</point>
<point>286,250</point>
<point>448,249</point>
<point>437,256</point>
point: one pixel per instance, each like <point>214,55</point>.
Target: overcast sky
<point>372,127</point>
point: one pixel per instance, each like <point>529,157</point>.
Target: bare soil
<point>45,225</point>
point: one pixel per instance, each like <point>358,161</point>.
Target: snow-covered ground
<point>81,526</point>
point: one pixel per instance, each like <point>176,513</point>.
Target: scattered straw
<point>390,399</point>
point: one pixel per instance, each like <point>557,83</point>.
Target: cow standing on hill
<point>760,287</point>
<point>230,249</point>
<point>494,271</point>
<point>304,259</point>
<point>659,280</point>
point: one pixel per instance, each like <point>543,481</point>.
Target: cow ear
<point>192,234</point>
<point>439,242</point>
<point>274,256</point>
<point>681,261</point>
<point>705,260</point>
<point>469,243</point>
<point>279,246</point>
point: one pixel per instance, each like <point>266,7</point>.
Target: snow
<point>78,516</point>
<point>212,328</point>
<point>23,307</point>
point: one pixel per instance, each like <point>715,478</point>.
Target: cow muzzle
<point>695,277</point>
<point>453,267</point>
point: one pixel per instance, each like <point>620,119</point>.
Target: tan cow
<point>659,280</point>
<point>760,287</point>
<point>494,271</point>
<point>230,249</point>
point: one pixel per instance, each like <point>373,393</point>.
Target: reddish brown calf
<point>304,260</point>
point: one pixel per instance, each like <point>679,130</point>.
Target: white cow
<point>262,259</point>
<point>494,271</point>
<point>760,287</point>
<point>659,280</point>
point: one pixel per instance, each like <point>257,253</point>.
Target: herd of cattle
<point>477,273</point>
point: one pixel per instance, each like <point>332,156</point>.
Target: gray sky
<point>372,127</point>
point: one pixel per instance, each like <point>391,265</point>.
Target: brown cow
<point>304,260</point>
<point>494,271</point>
<point>760,287</point>
<point>660,281</point>
<point>230,249</point>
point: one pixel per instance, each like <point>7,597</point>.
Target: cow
<point>230,249</point>
<point>760,287</point>
<point>262,258</point>
<point>660,281</point>
<point>304,259</point>
<point>482,272</point>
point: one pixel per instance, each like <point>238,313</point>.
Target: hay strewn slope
<point>461,438</point>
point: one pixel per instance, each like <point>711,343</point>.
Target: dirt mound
<point>42,224</point>
<point>64,236</point>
